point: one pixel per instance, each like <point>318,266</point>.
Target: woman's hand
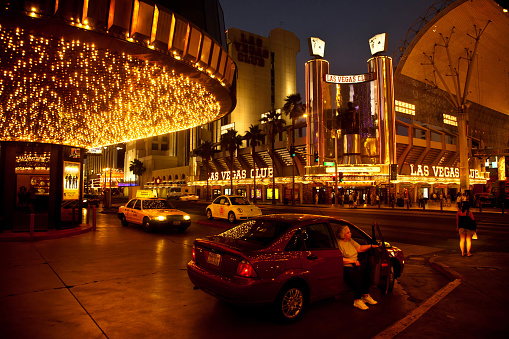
<point>357,263</point>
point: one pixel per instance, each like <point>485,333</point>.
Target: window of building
<point>155,146</point>
<point>404,107</point>
<point>450,120</point>
<point>419,133</point>
<point>401,130</point>
<point>436,137</point>
<point>450,139</point>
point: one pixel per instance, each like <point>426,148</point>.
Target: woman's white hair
<point>341,232</point>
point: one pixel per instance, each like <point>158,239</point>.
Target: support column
<point>463,148</point>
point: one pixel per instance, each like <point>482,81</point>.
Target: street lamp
<point>336,134</point>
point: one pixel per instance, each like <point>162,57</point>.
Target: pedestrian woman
<point>356,275</point>
<point>466,227</point>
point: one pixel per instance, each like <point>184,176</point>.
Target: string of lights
<point>71,93</point>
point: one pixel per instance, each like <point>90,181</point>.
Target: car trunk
<point>222,255</point>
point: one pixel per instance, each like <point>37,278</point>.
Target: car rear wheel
<point>231,217</point>
<point>123,221</point>
<point>146,225</point>
<point>290,303</point>
<point>209,214</point>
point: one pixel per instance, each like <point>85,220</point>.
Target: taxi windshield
<point>157,204</point>
<point>239,201</point>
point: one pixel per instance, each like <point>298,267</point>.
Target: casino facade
<point>80,75</point>
<point>407,142</point>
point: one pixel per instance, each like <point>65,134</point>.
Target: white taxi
<point>153,213</point>
<point>232,207</point>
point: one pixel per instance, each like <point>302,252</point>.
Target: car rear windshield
<point>157,204</point>
<point>262,232</point>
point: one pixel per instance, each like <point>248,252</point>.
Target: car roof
<point>294,218</point>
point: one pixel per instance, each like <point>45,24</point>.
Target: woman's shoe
<point>368,300</point>
<point>360,304</point>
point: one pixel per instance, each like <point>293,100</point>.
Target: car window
<point>318,236</point>
<point>223,201</point>
<point>217,200</point>
<point>157,204</point>
<point>239,201</point>
<point>130,204</point>
<point>357,235</point>
<point>262,232</point>
<point>137,205</point>
<point>295,244</point>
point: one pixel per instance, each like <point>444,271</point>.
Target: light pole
<point>336,134</point>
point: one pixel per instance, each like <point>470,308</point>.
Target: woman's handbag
<point>474,236</point>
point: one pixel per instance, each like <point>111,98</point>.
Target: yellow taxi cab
<point>151,212</point>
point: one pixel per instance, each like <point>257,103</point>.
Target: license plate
<point>214,259</point>
<point>176,222</point>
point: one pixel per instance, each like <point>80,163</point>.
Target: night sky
<point>344,25</point>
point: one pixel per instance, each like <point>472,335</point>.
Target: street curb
<point>51,234</point>
<point>444,269</point>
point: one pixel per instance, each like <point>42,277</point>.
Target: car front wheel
<point>290,303</point>
<point>146,225</point>
<point>231,217</point>
<point>209,214</point>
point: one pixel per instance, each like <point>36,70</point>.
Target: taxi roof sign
<point>146,194</point>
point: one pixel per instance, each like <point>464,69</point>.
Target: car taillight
<point>194,253</point>
<point>245,269</point>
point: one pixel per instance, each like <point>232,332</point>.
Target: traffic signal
<point>394,171</point>
<point>292,151</point>
<point>317,159</point>
<point>340,176</point>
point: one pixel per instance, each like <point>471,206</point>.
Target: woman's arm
<point>364,248</point>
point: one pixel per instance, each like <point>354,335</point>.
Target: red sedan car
<point>286,260</point>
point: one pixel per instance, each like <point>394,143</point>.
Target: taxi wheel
<point>146,225</point>
<point>231,217</point>
<point>123,221</point>
<point>209,214</point>
<point>290,303</point>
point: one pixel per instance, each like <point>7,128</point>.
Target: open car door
<point>382,272</point>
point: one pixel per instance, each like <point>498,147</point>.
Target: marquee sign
<point>354,169</point>
<point>242,174</point>
<point>440,172</point>
<point>349,79</point>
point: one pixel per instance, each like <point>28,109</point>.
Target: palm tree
<point>294,108</point>
<point>254,138</point>
<point>205,151</point>
<point>273,124</point>
<point>137,168</point>
<point>231,141</point>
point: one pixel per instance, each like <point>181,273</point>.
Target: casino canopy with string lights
<point>89,78</point>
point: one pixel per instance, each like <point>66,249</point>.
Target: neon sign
<point>440,172</point>
<point>242,174</point>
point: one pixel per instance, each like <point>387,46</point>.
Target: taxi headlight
<point>160,217</point>
<point>187,217</point>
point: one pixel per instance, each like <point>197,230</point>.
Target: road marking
<point>402,324</point>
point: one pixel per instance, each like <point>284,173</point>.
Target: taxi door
<point>136,217</point>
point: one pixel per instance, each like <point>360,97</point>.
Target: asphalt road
<point>121,282</point>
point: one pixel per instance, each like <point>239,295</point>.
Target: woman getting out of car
<point>356,276</point>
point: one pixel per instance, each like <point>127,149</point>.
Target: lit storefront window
<point>404,107</point>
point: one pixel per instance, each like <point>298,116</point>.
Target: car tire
<point>123,221</point>
<point>146,225</point>
<point>388,284</point>
<point>231,217</point>
<point>290,303</point>
<point>209,214</point>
